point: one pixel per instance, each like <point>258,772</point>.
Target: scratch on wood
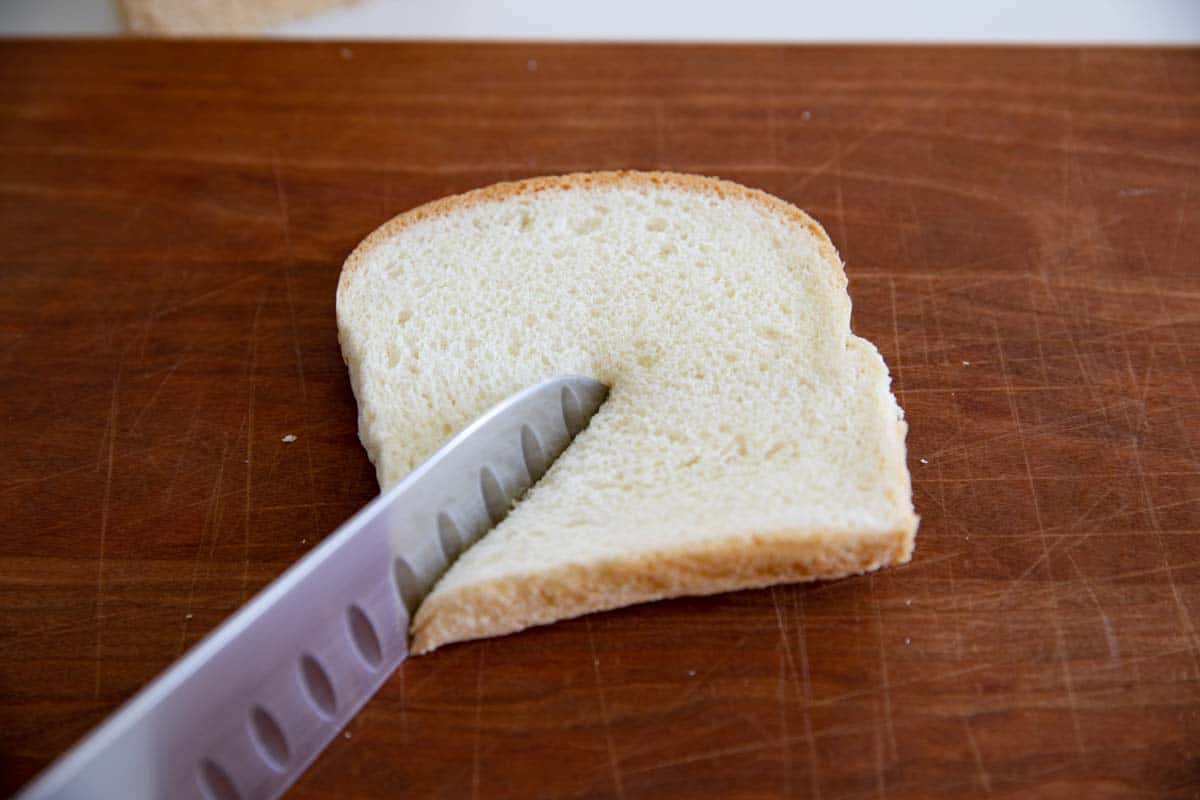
<point>253,369</point>
<point>400,677</point>
<point>839,179</point>
<point>659,138</point>
<point>185,453</point>
<point>1059,638</point>
<point>899,387</point>
<point>788,667</point>
<point>1110,636</point>
<point>478,733</point>
<point>211,524</point>
<point>1180,220</point>
<point>880,773</point>
<point>105,503</point>
<point>814,773</point>
<point>1160,297</point>
<point>614,765</point>
<point>1125,576</point>
<point>286,218</point>
<point>884,126</point>
<point>985,780</point>
<point>772,126</point>
<point>1139,390</point>
<point>22,486</point>
<point>883,671</point>
<point>200,298</point>
<point>1067,146</point>
<point>955,599</point>
<point>1181,609</point>
<point>705,755</point>
<point>133,426</point>
<point>13,645</point>
<point>730,652</point>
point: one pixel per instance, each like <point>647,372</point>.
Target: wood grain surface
<point>1020,231</point>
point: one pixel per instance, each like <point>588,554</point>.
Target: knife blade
<point>243,713</point>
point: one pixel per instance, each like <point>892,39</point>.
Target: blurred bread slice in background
<point>216,17</point>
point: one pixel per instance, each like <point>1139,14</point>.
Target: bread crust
<point>505,606</point>
<point>586,180</point>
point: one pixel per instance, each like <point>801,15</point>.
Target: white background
<point>1125,21</point>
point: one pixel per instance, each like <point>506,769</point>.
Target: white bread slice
<point>216,17</point>
<point>748,438</point>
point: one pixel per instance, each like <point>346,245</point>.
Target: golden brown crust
<point>580,180</point>
<point>511,604</point>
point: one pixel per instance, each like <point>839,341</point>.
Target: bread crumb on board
<point>289,438</point>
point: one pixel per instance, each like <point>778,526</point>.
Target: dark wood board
<point>1020,230</point>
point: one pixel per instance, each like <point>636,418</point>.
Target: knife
<point>243,713</point>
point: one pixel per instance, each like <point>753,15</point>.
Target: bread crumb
<point>806,115</point>
<point>187,616</point>
<point>966,363</point>
<point>291,437</point>
<point>907,640</point>
<point>531,65</point>
<point>924,460</point>
<point>691,673</point>
<point>346,53</point>
<point>346,734</point>
<point>908,602</point>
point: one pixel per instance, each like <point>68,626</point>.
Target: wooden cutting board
<point>1020,230</point>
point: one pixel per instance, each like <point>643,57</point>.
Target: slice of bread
<point>216,17</point>
<point>749,437</point>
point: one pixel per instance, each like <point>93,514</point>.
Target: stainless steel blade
<point>244,712</point>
